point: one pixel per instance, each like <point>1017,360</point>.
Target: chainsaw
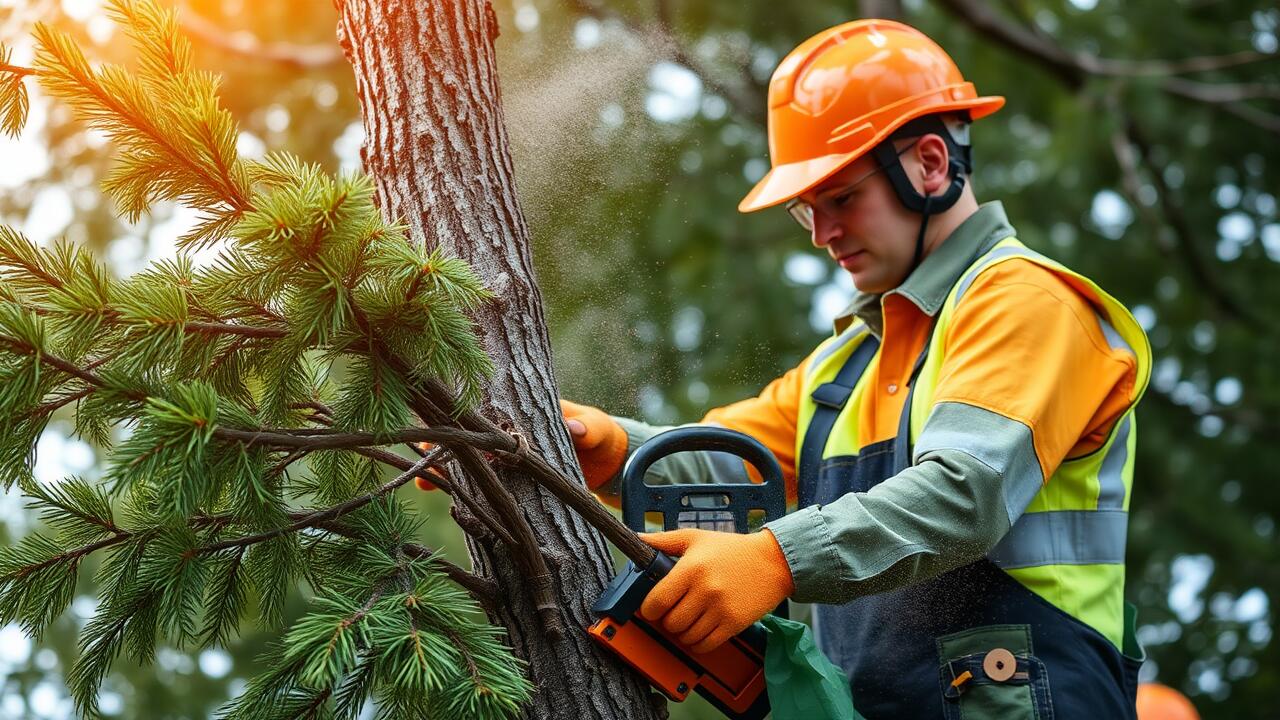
<point>731,677</point>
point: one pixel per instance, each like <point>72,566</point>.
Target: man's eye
<point>841,199</point>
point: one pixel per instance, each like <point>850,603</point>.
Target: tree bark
<point>437,146</point>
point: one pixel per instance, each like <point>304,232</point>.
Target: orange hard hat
<point>845,90</point>
<point>1161,702</point>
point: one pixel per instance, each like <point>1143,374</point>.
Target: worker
<point>960,450</point>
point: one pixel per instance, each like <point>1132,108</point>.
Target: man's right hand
<point>599,441</point>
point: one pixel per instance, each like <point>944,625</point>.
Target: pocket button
<point>999,665</point>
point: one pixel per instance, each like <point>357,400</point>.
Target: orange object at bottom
<point>731,676</point>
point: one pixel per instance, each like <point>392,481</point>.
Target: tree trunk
<point>436,144</point>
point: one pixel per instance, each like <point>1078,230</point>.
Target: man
<point>960,451</point>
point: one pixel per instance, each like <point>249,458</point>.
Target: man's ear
<point>933,155</point>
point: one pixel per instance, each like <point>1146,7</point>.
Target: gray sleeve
<point>974,475</point>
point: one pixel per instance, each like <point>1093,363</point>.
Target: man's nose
<point>825,230</point>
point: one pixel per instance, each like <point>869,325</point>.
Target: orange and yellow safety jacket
<point>1023,407</point>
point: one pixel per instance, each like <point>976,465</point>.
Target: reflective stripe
<point>1064,537</point>
<point>1002,444</point>
<point>850,334</point>
<point>1111,473</point>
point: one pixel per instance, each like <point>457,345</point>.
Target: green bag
<point>802,683</point>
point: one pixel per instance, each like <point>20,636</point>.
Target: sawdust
<point>565,113</point>
<point>574,120</point>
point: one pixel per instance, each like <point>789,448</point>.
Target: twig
<point>74,555</point>
<point>16,70</point>
<point>466,656</point>
<point>1221,93</point>
<point>288,460</point>
<point>1144,68</point>
<point>317,439</point>
<point>310,710</point>
<point>457,493</point>
<point>331,513</point>
<point>481,588</point>
<point>316,405</point>
<point>253,331</point>
<point>53,405</point>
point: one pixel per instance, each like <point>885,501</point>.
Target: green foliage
<point>420,653</point>
<point>79,511</point>
<point>37,582</point>
<point>169,448</point>
<point>14,103</point>
<point>312,296</point>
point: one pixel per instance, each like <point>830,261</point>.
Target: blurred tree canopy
<point>1139,145</point>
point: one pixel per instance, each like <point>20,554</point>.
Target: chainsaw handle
<point>639,498</point>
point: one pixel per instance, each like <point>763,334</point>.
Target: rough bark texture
<point>436,143</point>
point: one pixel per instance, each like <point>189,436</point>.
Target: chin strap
<point>959,165</point>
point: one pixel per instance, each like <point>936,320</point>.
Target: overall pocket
<point>992,672</point>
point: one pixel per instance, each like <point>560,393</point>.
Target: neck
<point>943,224</point>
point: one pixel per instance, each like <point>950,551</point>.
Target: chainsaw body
<point>731,677</point>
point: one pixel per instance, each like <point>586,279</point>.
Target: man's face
<point>864,228</point>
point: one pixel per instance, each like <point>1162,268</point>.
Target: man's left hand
<point>722,583</point>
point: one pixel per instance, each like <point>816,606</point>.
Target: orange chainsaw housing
<point>731,677</point>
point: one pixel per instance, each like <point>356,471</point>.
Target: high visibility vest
<point>1068,546</point>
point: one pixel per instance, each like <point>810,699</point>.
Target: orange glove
<point>722,583</point>
<point>598,440</point>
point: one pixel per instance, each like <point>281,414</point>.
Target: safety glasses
<point>831,202</point>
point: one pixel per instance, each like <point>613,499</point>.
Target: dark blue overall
<point>906,651</point>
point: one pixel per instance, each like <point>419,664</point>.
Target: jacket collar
<point>927,288</point>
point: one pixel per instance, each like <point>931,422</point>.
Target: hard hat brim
<point>787,181</point>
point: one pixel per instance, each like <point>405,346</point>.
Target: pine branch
<point>472,504</point>
<point>113,102</point>
<point>16,70</point>
<point>494,440</point>
<point>74,507</point>
<point>14,102</point>
<point>331,513</point>
<point>73,556</point>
